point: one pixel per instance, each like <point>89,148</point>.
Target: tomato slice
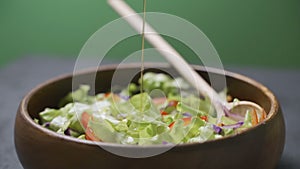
<point>172,124</point>
<point>85,118</point>
<point>163,113</point>
<point>204,118</point>
<point>107,94</point>
<point>254,117</point>
<point>187,120</point>
<point>89,135</point>
<point>173,103</point>
<point>264,115</point>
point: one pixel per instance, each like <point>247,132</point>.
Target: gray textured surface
<point>19,77</point>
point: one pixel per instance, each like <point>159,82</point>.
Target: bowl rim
<point>274,107</point>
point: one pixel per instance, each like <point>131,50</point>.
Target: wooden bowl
<point>39,148</point>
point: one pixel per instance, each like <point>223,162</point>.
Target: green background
<point>251,32</point>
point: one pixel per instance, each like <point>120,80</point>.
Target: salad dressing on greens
<point>143,48</point>
<point>182,117</point>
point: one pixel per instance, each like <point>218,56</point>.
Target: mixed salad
<point>143,118</point>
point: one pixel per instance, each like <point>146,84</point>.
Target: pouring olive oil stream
<point>143,51</point>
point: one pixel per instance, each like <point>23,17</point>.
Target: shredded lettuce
<point>130,117</point>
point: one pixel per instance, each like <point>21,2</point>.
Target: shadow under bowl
<point>257,148</point>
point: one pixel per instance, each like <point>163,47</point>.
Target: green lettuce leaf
<point>177,132</point>
<point>49,114</point>
<point>104,130</point>
<point>193,128</point>
<point>181,107</point>
<point>80,95</point>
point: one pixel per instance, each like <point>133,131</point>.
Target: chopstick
<point>165,49</point>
